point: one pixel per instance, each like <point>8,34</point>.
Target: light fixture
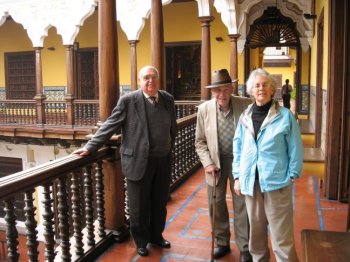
<point>219,39</point>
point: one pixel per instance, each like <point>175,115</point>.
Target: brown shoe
<point>245,256</point>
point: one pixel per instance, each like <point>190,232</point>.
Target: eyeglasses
<point>149,77</point>
<point>262,85</point>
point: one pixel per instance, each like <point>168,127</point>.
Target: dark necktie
<point>152,100</point>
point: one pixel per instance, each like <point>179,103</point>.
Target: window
<point>20,75</point>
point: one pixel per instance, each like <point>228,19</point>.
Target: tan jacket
<point>206,142</point>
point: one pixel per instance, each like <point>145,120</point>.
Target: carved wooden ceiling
<point>273,29</point>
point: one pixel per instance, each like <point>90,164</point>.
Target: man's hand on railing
<point>82,152</point>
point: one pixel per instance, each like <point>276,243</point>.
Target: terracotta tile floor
<point>188,224</point>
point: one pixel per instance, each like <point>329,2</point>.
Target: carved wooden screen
<point>8,166</point>
<point>20,75</point>
<point>87,74</point>
<point>183,70</point>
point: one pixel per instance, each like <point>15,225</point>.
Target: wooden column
<point>108,57</point>
<point>39,96</point>
<point>205,56</point>
<point>133,63</point>
<point>157,38</point>
<point>234,61</point>
<point>69,97</point>
<point>109,95</point>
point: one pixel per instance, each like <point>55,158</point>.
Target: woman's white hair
<point>260,72</point>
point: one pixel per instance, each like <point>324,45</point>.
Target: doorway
<point>183,70</point>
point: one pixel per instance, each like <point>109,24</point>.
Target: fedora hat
<point>220,78</point>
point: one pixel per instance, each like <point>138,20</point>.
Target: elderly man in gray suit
<point>147,120</point>
<point>216,125</point>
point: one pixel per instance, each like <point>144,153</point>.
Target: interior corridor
<point>188,226</point>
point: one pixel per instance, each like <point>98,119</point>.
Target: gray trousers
<point>222,223</point>
<point>273,209</point>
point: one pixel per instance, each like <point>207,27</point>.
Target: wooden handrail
<point>47,172</point>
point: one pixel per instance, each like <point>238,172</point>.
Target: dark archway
<point>273,29</point>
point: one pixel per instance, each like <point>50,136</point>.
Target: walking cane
<point>213,219</point>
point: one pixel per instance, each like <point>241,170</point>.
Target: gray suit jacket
<point>129,116</point>
<point>207,146</point>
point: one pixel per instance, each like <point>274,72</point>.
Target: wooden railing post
<point>108,96</point>
<point>205,57</point>
<point>39,96</point>
<point>233,61</point>
<point>69,97</point>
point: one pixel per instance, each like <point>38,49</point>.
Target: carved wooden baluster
<point>76,114</point>
<point>80,114</point>
<point>100,202</point>
<point>193,152</point>
<point>186,150</point>
<point>172,166</point>
<point>48,223</point>
<point>89,209</point>
<point>182,152</point>
<point>178,112</point>
<point>63,218</point>
<point>90,115</point>
<point>11,231</point>
<point>77,211</point>
<point>85,114</point>
<point>175,159</point>
<point>32,242</point>
<point>126,203</point>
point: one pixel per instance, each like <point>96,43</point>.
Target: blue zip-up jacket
<point>277,152</point>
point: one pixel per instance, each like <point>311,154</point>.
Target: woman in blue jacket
<point>268,157</point>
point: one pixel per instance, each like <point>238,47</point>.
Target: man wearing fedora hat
<point>216,125</point>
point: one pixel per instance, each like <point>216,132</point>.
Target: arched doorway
<point>273,29</point>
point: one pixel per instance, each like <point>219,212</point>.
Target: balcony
<point>59,119</point>
<point>73,223</point>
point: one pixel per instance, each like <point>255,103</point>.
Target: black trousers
<point>147,201</point>
<point>286,101</point>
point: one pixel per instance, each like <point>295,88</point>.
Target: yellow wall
<point>320,5</point>
<point>181,23</point>
<point>254,58</point>
<point>54,62</point>
<point>16,40</point>
<point>304,73</point>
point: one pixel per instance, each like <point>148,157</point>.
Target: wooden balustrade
<point>66,173</point>
<point>185,158</point>
<point>86,112</point>
<point>55,113</point>
<point>185,108</point>
<point>18,112</point>
<point>73,226</point>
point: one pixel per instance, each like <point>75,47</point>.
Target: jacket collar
<point>246,118</point>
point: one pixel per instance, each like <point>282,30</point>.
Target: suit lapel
<point>213,119</point>
<point>140,109</point>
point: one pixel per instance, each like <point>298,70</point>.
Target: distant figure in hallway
<point>286,90</point>
<point>268,157</point>
<point>147,121</point>
<point>216,124</point>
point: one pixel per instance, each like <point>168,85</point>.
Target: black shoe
<point>245,256</point>
<point>221,251</point>
<point>142,251</point>
<point>162,243</point>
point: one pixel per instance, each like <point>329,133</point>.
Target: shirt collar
<point>147,96</point>
<point>225,114</point>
